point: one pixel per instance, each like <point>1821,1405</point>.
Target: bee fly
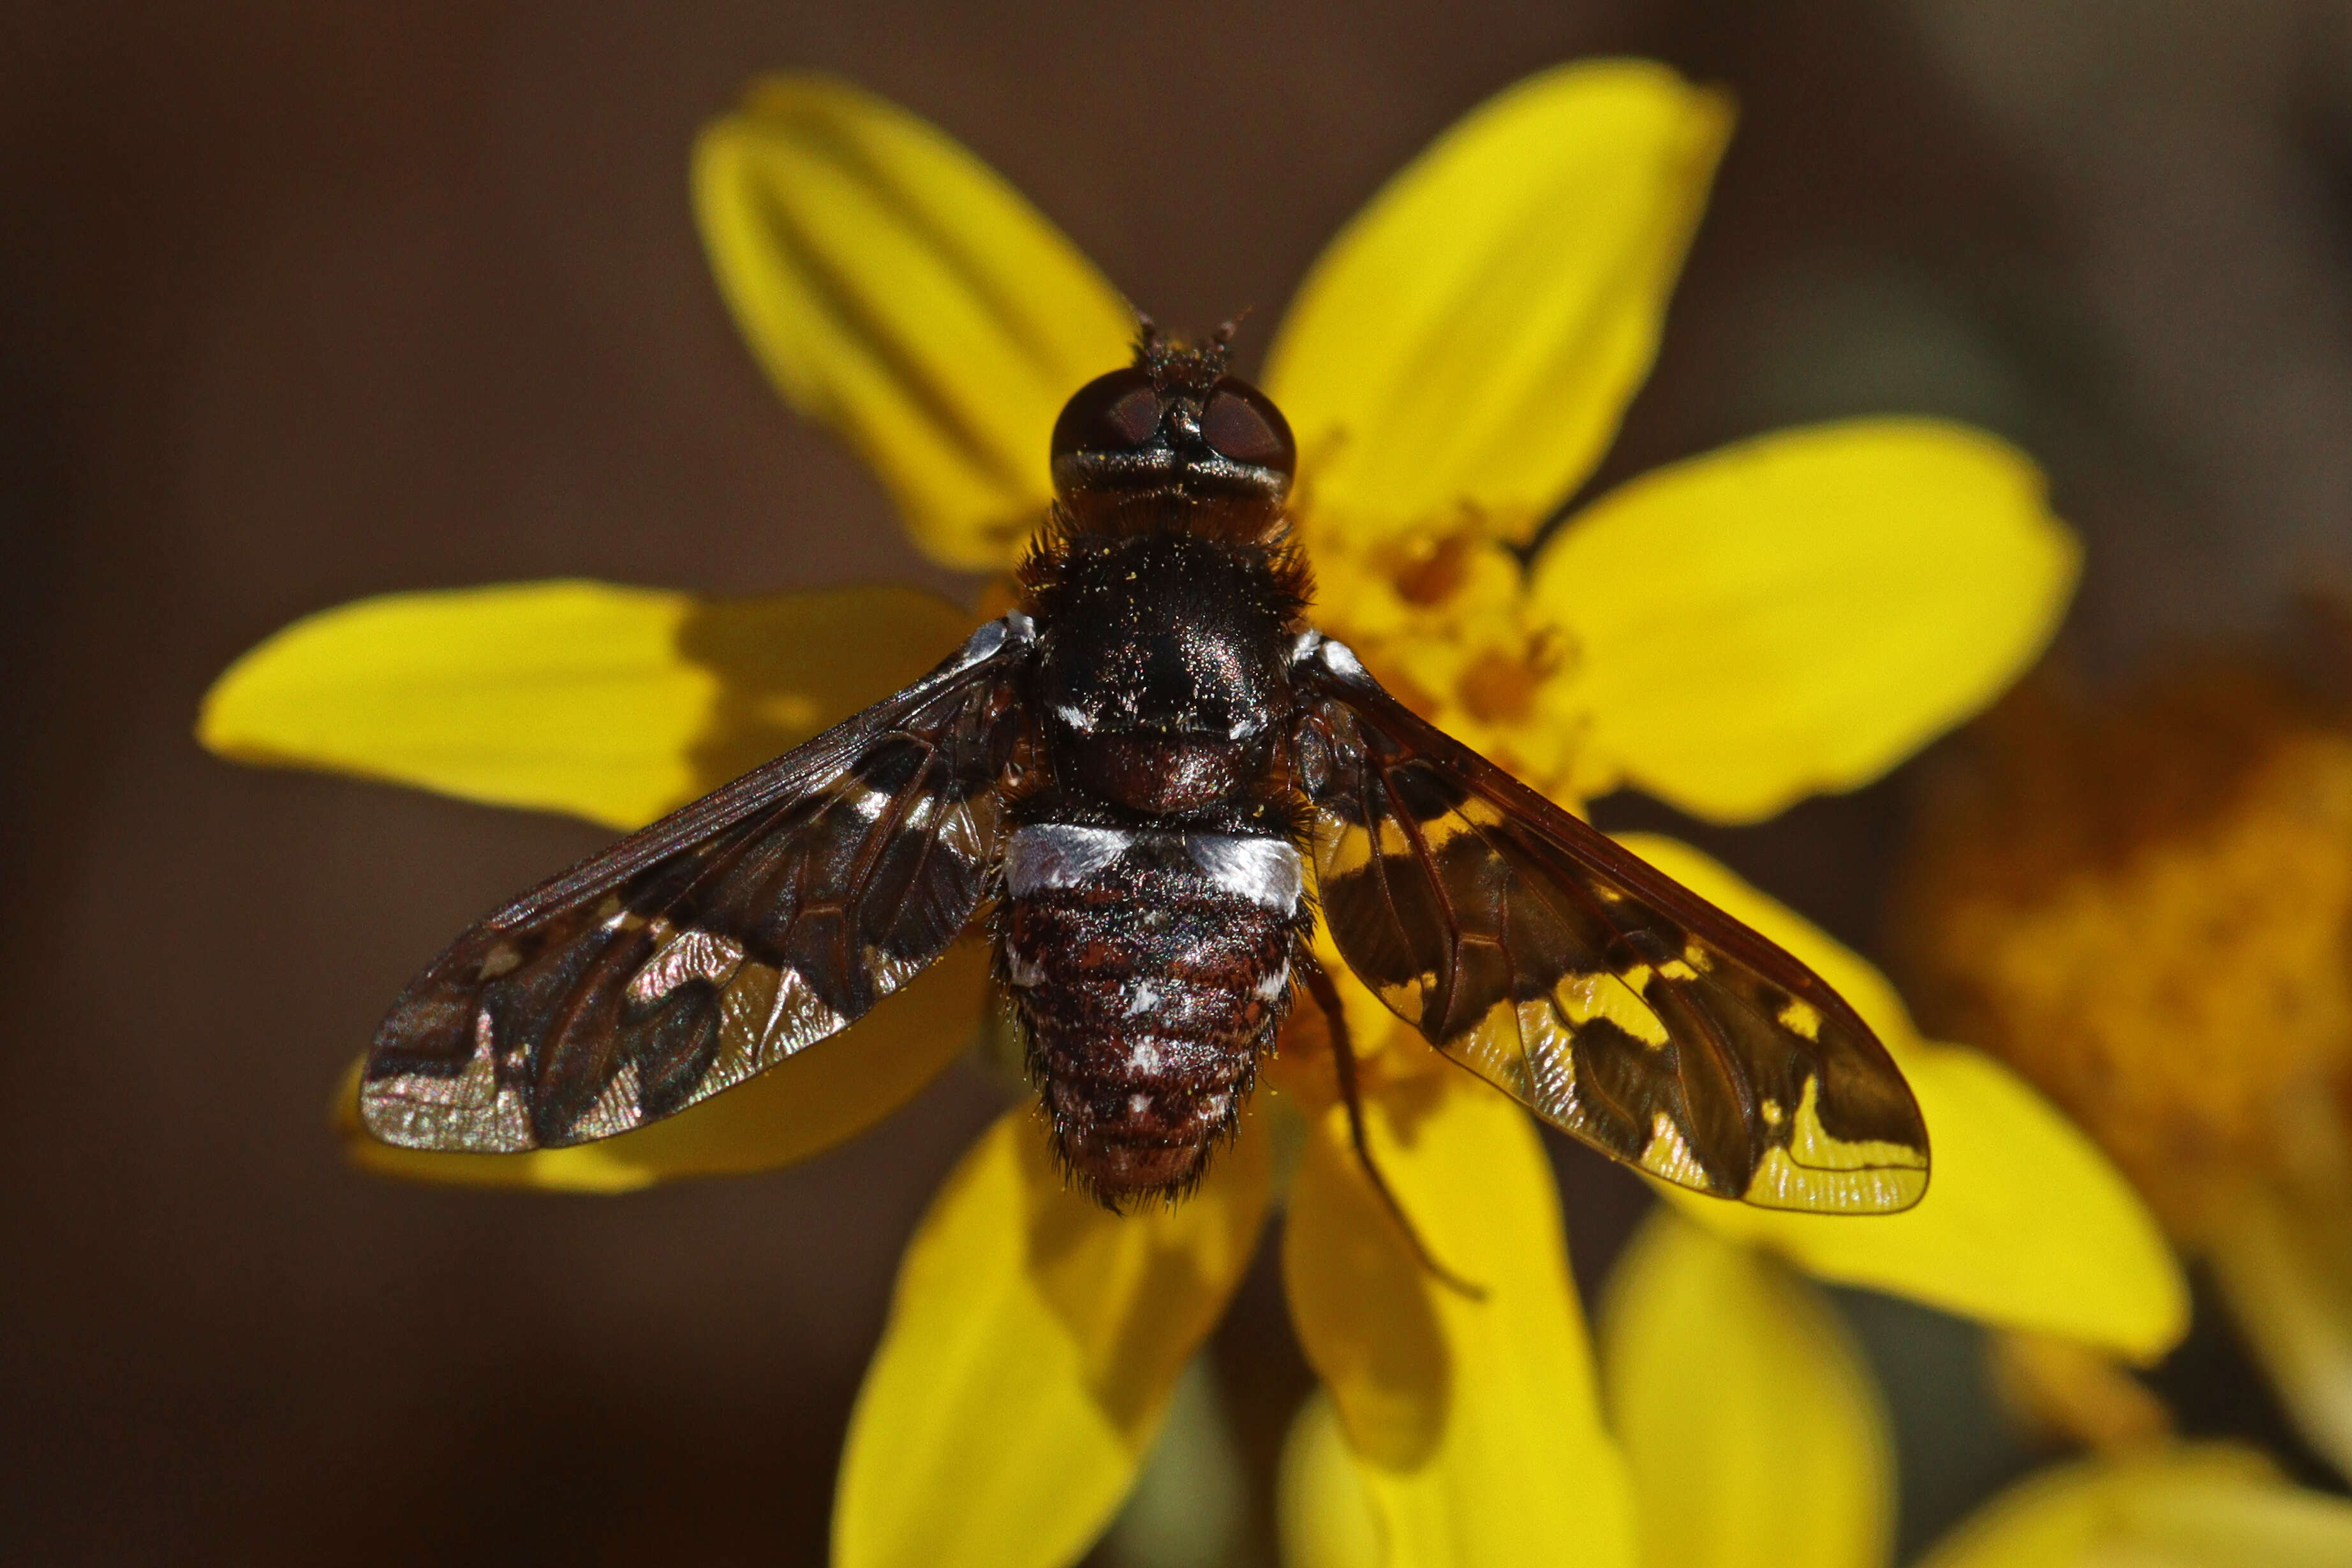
<point>1133,771</point>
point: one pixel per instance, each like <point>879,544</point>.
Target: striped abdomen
<point>1149,970</point>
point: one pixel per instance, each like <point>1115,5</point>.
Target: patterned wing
<point>719,941</point>
<point>1606,998</point>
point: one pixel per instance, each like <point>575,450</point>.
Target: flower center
<point>2150,916</point>
<point>1442,617</point>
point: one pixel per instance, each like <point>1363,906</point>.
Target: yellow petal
<point>2194,1507</point>
<point>1474,1423</point>
<point>2284,1261</point>
<point>1472,337</point>
<point>1322,1511</point>
<point>825,1095</point>
<point>2025,1224</point>
<point>1751,1425</point>
<point>1800,612</point>
<point>898,290</point>
<point>611,704</point>
<point>2066,1393</point>
<point>1030,1353</point>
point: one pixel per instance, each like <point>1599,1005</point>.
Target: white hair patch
<point>1266,871</point>
<point>1056,854</point>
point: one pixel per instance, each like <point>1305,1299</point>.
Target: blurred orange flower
<point>2146,907</point>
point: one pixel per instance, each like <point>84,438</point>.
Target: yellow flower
<point>2146,907</point>
<point>2192,1506</point>
<point>1756,1437</point>
<point>1792,614</point>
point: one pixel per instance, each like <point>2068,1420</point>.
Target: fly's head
<point>1172,425</point>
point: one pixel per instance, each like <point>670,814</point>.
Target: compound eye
<point>1242,423</point>
<point>1113,413</point>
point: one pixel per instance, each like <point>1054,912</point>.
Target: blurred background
<point>302,303</point>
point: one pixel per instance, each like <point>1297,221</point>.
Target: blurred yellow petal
<point>615,704</point>
<point>1800,612</point>
<point>2025,1224</point>
<point>791,666</point>
<point>1474,1423</point>
<point>1472,337</point>
<point>1322,1513</point>
<point>827,1094</point>
<point>2283,1259</point>
<point>898,290</point>
<point>1750,1420</point>
<point>1032,1346</point>
<point>2063,1393</point>
<point>2201,1507</point>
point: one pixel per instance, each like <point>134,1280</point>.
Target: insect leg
<point>1343,1057</point>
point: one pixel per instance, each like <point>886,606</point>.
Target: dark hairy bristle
<point>1128,1201</point>
<point>1289,580</point>
<point>1059,1131</point>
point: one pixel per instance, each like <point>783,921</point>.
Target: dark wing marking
<point>1604,997</point>
<point>720,940</point>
